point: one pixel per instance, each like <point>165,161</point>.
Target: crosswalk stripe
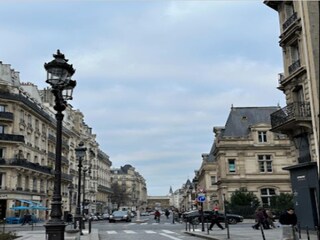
<point>111,232</point>
<point>167,231</point>
<point>129,231</point>
<point>169,236</point>
<point>149,231</point>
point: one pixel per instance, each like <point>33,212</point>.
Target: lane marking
<point>169,236</point>
<point>167,231</point>
<point>129,231</point>
<point>149,231</point>
<point>111,232</point>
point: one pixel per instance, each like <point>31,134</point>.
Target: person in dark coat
<point>214,220</point>
<point>260,218</point>
<point>288,217</point>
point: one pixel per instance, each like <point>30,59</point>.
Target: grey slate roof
<point>241,118</point>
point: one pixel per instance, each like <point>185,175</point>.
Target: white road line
<point>149,231</point>
<point>129,231</point>
<point>169,236</point>
<point>143,223</point>
<point>111,232</point>
<point>167,231</point>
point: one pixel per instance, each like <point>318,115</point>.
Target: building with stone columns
<point>299,119</point>
<point>27,151</point>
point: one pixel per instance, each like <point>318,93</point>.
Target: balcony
<point>11,137</point>
<point>5,116</point>
<point>289,21</point>
<point>294,66</point>
<point>26,164</point>
<point>51,138</point>
<point>66,177</point>
<point>291,116</point>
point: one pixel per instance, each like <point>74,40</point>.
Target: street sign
<point>201,198</point>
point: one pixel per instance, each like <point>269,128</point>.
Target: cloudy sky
<point>154,77</point>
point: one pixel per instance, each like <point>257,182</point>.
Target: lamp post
<point>88,169</point>
<point>80,153</point>
<point>71,188</point>
<point>59,74</point>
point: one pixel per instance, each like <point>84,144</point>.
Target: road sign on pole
<point>201,198</point>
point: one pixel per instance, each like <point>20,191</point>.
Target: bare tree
<point>119,195</point>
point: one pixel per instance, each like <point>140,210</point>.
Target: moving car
<point>120,216</point>
<point>195,217</point>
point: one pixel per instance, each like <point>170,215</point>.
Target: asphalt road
<point>164,230</point>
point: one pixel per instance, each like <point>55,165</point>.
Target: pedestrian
<point>270,218</point>
<point>260,219</point>
<point>215,220</point>
<point>167,213</point>
<point>157,216</point>
<point>289,220</point>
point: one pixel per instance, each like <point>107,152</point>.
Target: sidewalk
<point>238,232</point>
<point>38,233</point>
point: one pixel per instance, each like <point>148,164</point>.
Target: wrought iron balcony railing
<point>6,115</point>
<point>11,137</point>
<point>289,21</point>
<point>294,66</point>
<point>293,111</point>
<point>26,164</point>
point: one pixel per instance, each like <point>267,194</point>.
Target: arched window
<point>266,194</point>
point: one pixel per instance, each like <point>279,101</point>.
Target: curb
<point>201,235</point>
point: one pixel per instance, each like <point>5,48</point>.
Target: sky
<point>153,77</point>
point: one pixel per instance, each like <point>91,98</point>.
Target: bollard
<point>308,236</point>
<point>262,232</point>
<point>4,225</point>
<point>89,226</point>
<point>207,227</point>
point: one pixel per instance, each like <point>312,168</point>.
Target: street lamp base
<point>55,231</point>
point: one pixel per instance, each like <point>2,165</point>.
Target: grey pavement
<point>237,232</point>
<point>37,232</point>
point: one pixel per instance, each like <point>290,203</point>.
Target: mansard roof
<point>242,118</point>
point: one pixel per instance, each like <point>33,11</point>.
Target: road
<point>149,229</point>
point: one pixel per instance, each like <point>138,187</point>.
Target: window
<point>2,108</point>
<point>294,50</point>
<point>2,128</point>
<point>265,163</point>
<point>289,10</point>
<point>262,136</point>
<point>266,195</point>
<point>34,184</point>
<point>2,175</point>
<point>213,180</point>
<point>232,165</point>
<point>21,116</point>
<point>1,152</point>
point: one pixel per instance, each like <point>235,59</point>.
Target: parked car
<point>106,216</point>
<point>195,217</point>
<point>120,216</point>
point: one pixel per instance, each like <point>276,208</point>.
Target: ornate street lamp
<point>80,154</point>
<point>70,188</point>
<point>59,74</point>
<point>87,169</point>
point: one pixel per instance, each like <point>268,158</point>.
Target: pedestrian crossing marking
<point>129,231</point>
<point>164,231</point>
<point>169,236</point>
<point>167,231</point>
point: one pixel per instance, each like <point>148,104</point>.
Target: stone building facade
<point>246,154</point>
<point>27,151</point>
<point>133,184</point>
<point>299,119</point>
